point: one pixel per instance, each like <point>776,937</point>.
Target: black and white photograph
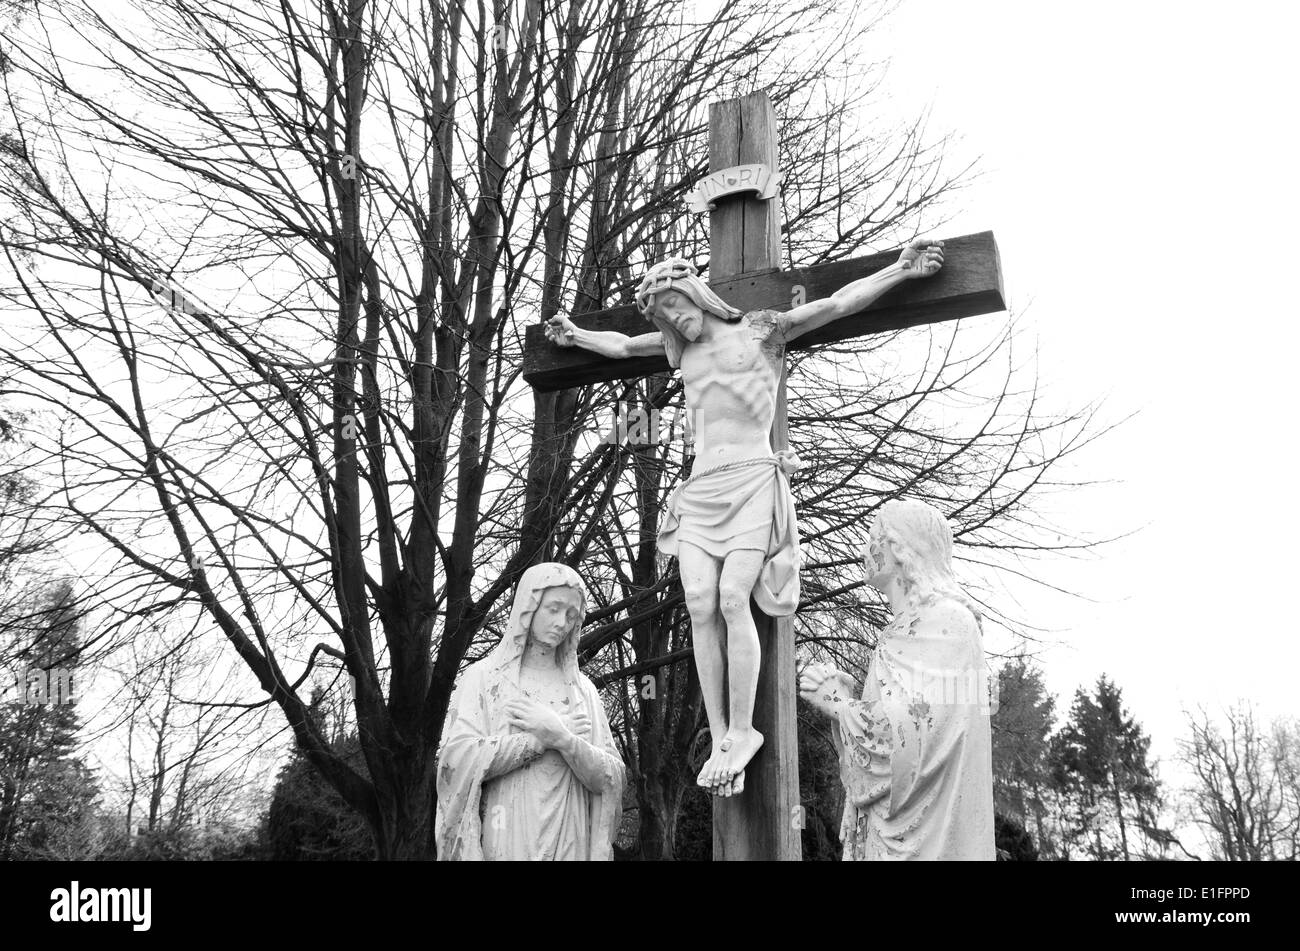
<point>642,432</point>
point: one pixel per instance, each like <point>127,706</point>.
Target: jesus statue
<point>731,525</point>
<point>916,753</point>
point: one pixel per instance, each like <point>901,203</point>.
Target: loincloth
<point>738,506</point>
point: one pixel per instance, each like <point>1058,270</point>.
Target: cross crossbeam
<point>969,285</point>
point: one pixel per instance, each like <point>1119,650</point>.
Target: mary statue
<point>527,769</point>
<point>916,753</point>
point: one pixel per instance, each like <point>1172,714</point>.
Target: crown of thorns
<point>659,278</point>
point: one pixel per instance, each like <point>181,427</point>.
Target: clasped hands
<point>825,687</point>
<point>548,727</point>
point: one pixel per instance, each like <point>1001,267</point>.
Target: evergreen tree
<point>307,819</point>
<point>1013,842</point>
<point>1101,770</point>
<point>1022,730</point>
<point>45,788</point>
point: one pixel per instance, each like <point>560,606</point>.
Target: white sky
<point>1141,178</point>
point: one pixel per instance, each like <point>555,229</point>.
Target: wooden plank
<point>727,219</point>
<point>745,232</point>
<point>970,284</point>
<point>744,237</point>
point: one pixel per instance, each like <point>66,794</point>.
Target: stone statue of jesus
<point>731,525</point>
<point>916,751</point>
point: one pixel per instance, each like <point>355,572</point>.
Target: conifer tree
<point>1101,768</point>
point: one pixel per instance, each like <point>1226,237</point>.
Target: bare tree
<point>1246,795</point>
<point>180,753</point>
<point>269,267</point>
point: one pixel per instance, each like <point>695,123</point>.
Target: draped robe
<point>500,796</point>
<point>916,755</point>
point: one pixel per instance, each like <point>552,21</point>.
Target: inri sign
<point>729,181</point>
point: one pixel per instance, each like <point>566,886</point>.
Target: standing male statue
<point>916,751</point>
<point>731,525</point>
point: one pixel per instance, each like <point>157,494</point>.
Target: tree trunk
<point>8,810</point>
<point>403,831</point>
<point>658,826</point>
<point>1037,806</point>
<point>1119,810</point>
<point>664,740</point>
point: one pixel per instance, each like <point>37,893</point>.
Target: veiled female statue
<point>527,769</point>
<point>916,751</point>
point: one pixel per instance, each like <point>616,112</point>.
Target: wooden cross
<point>745,271</point>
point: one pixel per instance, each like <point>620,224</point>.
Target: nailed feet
<point>724,772</point>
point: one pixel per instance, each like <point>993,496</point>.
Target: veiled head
<point>550,604</point>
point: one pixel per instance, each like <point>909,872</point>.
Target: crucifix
<point>731,524</point>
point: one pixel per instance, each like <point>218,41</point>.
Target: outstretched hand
<point>825,687</point>
<point>922,258</point>
<point>559,330</point>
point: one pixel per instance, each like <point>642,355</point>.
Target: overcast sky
<point>1141,173</point>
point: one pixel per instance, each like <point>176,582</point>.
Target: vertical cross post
<point>763,822</point>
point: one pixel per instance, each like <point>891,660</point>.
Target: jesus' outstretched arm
<point>608,343</point>
<point>921,258</point>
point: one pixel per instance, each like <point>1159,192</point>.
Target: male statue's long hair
<point>678,274</point>
<point>923,544</point>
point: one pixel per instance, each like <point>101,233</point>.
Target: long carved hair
<point>922,541</point>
